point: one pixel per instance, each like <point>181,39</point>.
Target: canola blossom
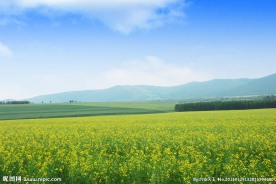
<point>158,148</point>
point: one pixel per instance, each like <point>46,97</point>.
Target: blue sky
<point>50,46</point>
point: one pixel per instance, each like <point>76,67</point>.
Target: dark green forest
<point>15,102</point>
<point>265,102</point>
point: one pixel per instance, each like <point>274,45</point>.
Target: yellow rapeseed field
<point>159,148</point>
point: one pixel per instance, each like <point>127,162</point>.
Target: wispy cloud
<point>4,50</point>
<point>121,15</point>
<point>151,71</point>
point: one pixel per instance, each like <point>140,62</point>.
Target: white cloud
<point>121,15</point>
<point>147,71</point>
<point>151,71</point>
<point>4,50</point>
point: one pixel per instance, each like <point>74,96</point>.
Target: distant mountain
<point>209,89</point>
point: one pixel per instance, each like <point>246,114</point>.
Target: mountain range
<point>216,88</point>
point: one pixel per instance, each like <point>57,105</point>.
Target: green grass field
<point>147,148</point>
<point>82,109</point>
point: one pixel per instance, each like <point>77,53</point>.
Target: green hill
<point>209,89</point>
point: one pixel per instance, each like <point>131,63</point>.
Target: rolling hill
<point>208,89</point>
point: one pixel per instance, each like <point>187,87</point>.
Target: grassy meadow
<point>147,148</point>
<point>29,111</point>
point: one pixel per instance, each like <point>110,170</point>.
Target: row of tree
<point>15,102</point>
<point>226,105</point>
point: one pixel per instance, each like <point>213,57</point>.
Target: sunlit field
<point>158,148</point>
<point>56,110</point>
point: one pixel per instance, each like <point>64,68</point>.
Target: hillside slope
<point>208,89</point>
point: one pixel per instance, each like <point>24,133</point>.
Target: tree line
<point>267,102</point>
<point>15,102</point>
